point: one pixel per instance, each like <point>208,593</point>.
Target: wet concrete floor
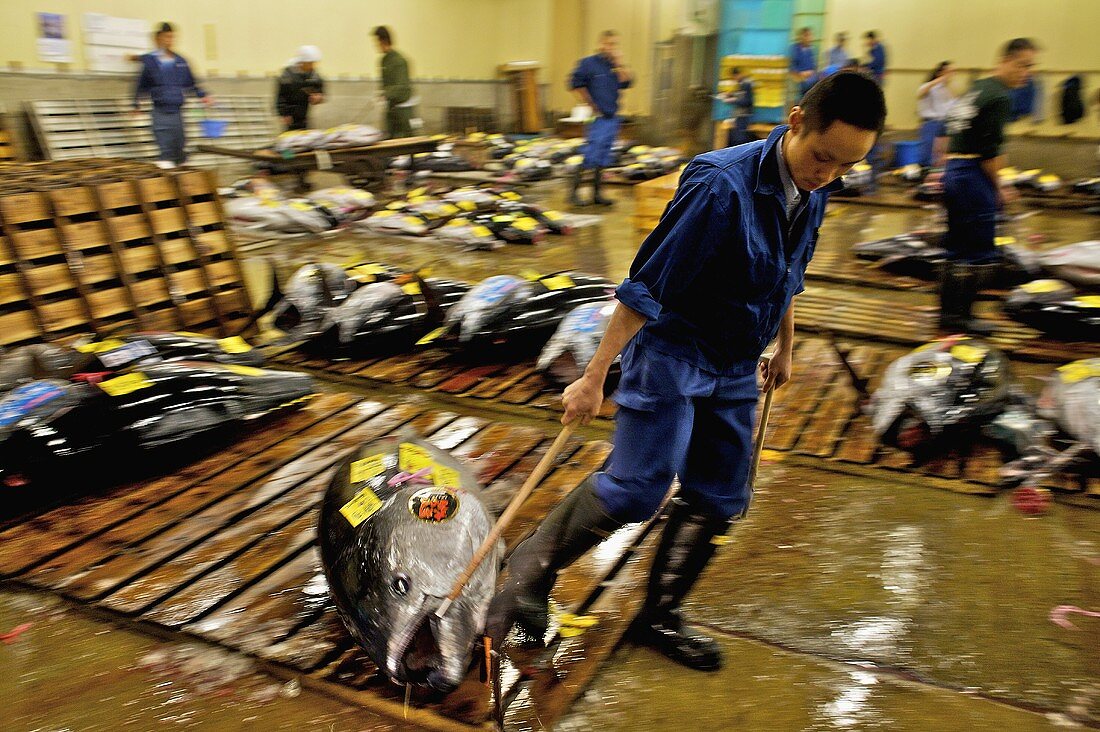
<point>841,603</point>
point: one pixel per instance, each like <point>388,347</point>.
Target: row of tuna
<point>128,401</point>
<point>1049,289</point>
<point>341,136</point>
<point>475,217</point>
<point>366,308</point>
<point>257,205</point>
<point>946,393</point>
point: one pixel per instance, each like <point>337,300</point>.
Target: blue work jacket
<point>596,74</point>
<point>165,84</point>
<point>715,277</point>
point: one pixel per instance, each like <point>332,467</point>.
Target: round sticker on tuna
<point>434,505</point>
<point>492,290</point>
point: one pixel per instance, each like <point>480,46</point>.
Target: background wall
<point>918,34</point>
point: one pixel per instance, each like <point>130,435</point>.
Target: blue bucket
<point>212,127</point>
<point>907,152</point>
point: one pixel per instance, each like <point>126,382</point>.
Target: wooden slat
<point>18,327</point>
<point>117,195</point>
<point>50,278</point>
<point>73,201</point>
<point>22,208</point>
<point>203,214</point>
<point>36,244</point>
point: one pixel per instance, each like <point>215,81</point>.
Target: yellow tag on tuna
<point>558,282</point>
<point>445,477</point>
<point>434,335</point>
<point>101,346</point>
<point>411,288</point>
<point>361,507</point>
<point>1079,370</point>
<point>1036,287</point>
<point>1088,301</point>
<point>968,354</point>
<point>125,384</point>
<point>411,458</point>
<point>244,370</point>
<point>481,231</point>
<point>1002,240</point>
<point>366,468</point>
<point>234,344</point>
<point>525,224</point>
<point>552,215</point>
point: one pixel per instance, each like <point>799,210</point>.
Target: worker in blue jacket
<point>166,79</point>
<point>598,80</point>
<point>803,61</point>
<point>711,287</point>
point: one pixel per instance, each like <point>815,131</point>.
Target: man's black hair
<point>382,33</point>
<point>870,34</point>
<point>1016,45</point>
<point>164,28</point>
<point>846,96</point>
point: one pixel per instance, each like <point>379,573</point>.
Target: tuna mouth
<point>417,658</point>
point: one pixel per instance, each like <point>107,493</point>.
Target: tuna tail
<point>858,382</point>
<point>274,299</point>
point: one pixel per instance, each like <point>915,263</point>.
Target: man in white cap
<point>299,87</point>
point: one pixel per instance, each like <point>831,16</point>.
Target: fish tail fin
<point>273,299</point>
<point>858,382</point>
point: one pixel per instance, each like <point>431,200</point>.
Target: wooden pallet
<point>651,197</point>
<point>82,128</point>
<point>816,417</point>
<point>225,549</point>
<point>150,253</point>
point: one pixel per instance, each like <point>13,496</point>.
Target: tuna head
<point>939,388</point>
<point>487,305</point>
<point>309,293</point>
<point>567,354</point>
<point>390,572</point>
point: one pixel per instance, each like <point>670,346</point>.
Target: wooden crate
<point>650,200</point>
<point>121,255</point>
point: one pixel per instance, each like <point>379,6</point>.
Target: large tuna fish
<point>52,428</point>
<point>568,353</point>
<point>136,349</point>
<point>938,396</point>
<point>389,315</point>
<point>1078,264</point>
<point>518,311</point>
<point>400,521</point>
<point>1055,308</point>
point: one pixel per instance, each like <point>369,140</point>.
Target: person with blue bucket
<point>166,79</point>
<point>934,100</point>
<point>972,190</point>
<point>599,80</point>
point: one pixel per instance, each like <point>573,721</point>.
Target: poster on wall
<point>111,44</point>
<point>52,43</point>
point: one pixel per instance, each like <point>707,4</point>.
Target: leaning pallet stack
<point>102,247</point>
<point>650,200</point>
<point>78,128</point>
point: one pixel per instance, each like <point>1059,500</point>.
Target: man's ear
<point>794,119</point>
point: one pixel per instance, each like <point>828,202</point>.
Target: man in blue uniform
<point>972,191</point>
<point>598,80</point>
<point>166,79</point>
<point>740,99</point>
<point>876,56</point>
<point>709,289</point>
<point>803,61</point>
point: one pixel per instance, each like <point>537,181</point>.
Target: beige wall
<point>920,33</point>
<point>446,39</point>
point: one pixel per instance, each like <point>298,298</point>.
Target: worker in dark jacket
<point>599,80</point>
<point>972,190</point>
<point>396,87</point>
<point>166,79</point>
<point>709,289</point>
<point>299,87</point>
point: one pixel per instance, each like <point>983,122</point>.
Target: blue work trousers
<point>971,201</point>
<point>600,136</point>
<point>168,132</point>
<point>677,420</point>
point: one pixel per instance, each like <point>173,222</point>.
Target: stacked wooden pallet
<point>79,128</point>
<point>149,252</point>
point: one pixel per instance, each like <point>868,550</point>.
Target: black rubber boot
<point>959,288</point>
<point>597,181</point>
<point>689,540</point>
<point>575,190</point>
<point>575,525</point>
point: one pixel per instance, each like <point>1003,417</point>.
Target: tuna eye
<point>401,585</point>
